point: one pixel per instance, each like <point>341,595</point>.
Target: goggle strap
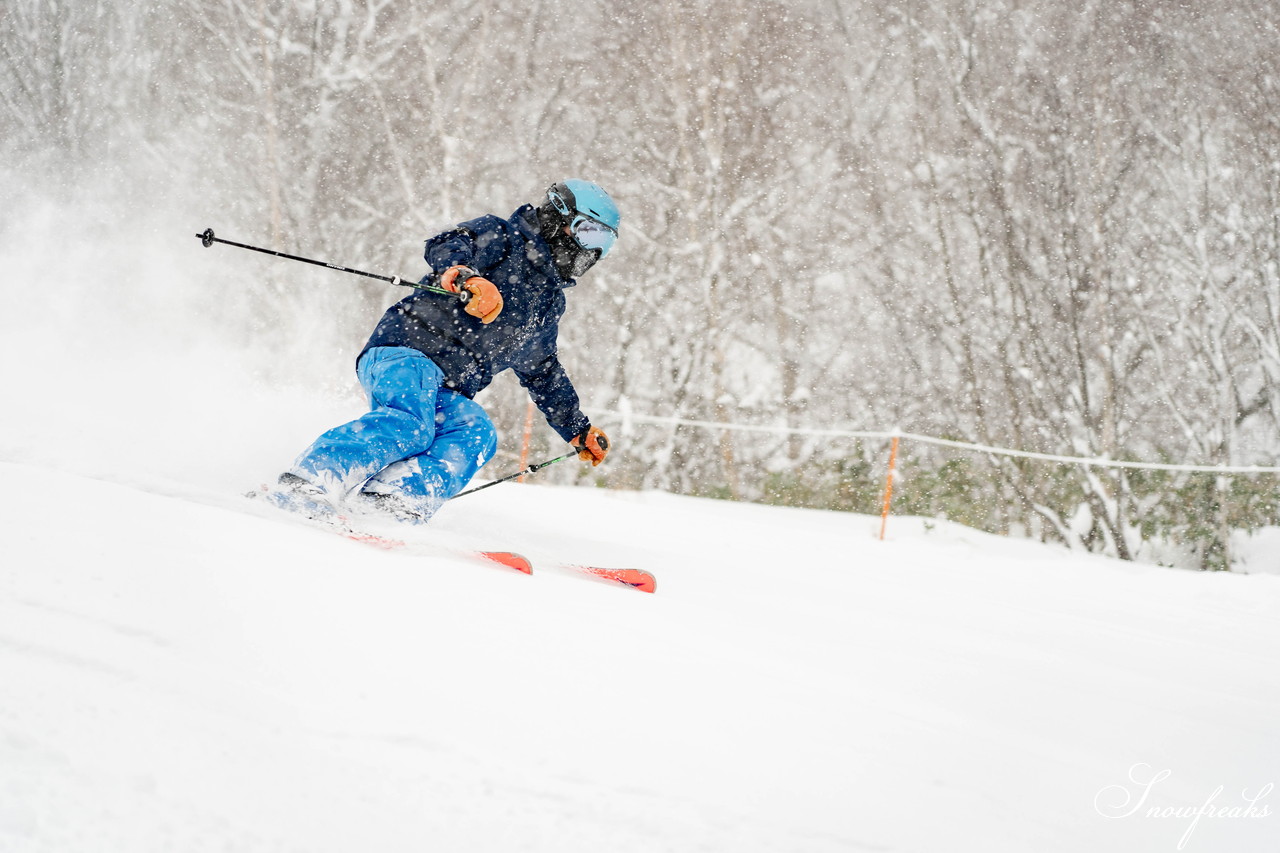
<point>559,203</point>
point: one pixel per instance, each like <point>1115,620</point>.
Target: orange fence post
<point>524,445</point>
<point>888,486</point>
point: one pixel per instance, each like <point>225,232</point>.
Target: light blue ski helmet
<point>593,201</point>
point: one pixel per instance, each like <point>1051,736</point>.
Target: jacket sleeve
<point>554,395</point>
<point>480,243</point>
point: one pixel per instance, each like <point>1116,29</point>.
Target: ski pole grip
<point>465,274</point>
<point>457,285</point>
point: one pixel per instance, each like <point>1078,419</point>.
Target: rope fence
<point>894,436</point>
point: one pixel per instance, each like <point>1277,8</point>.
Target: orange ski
<point>637,578</point>
<point>508,559</point>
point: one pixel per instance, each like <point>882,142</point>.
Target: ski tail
<point>383,542</point>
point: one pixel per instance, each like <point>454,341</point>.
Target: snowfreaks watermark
<point>1120,801</point>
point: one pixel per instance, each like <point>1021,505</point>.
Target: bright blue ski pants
<point>420,441</point>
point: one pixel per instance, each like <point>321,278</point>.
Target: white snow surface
<point>182,669</point>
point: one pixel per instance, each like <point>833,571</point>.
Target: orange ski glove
<point>592,444</point>
<point>485,302</point>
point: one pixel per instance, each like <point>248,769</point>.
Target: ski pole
<point>537,466</point>
<point>207,238</point>
<point>531,469</point>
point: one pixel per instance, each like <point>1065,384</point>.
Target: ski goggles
<point>587,232</point>
<point>590,234</point>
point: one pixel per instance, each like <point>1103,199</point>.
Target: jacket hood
<point>536,248</point>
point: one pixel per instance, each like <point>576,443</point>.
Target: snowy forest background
<point>1026,223</point>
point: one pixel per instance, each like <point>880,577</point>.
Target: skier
<point>425,437</point>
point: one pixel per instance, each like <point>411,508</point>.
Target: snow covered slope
<point>181,670</point>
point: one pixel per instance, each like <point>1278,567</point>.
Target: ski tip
<point>509,559</point>
<point>634,578</point>
<point>644,581</point>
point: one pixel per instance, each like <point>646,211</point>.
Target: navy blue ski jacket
<point>512,255</point>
